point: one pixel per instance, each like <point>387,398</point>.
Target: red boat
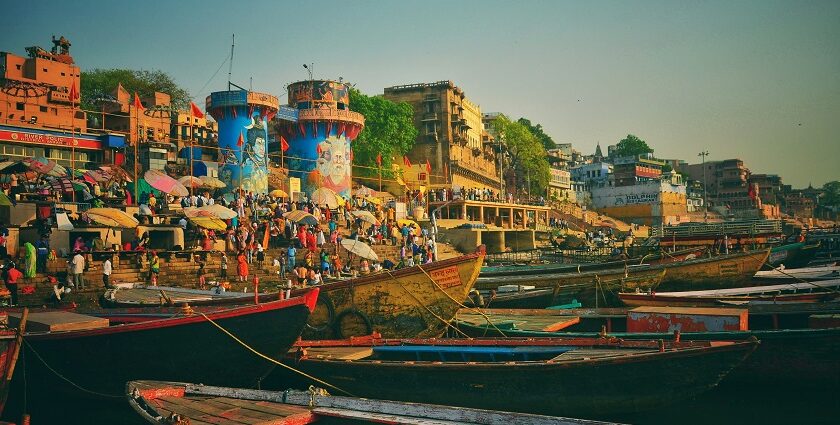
<point>78,356</point>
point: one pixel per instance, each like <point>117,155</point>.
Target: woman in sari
<point>31,260</point>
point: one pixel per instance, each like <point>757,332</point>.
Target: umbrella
<point>212,223</point>
<point>415,228</point>
<point>162,182</point>
<point>212,182</point>
<point>116,173</point>
<point>229,197</point>
<point>96,176</point>
<point>188,181</point>
<point>11,167</point>
<point>373,200</point>
<point>112,217</point>
<point>359,248</point>
<point>278,193</point>
<point>366,217</point>
<point>43,165</point>
<point>300,216</point>
<point>218,211</point>
<point>324,196</point>
<point>364,191</point>
<point>60,184</point>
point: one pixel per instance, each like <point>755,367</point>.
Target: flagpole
<point>136,159</point>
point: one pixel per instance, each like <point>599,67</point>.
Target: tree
<point>537,130</point>
<point>831,194</point>
<point>389,131</point>
<point>527,154</point>
<point>631,146</point>
<point>102,82</point>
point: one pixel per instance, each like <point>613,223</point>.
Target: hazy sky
<point>758,80</point>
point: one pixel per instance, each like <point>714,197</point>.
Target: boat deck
<point>540,320</point>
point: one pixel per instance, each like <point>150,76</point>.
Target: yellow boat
<point>414,302</point>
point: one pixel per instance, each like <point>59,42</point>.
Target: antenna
<point>230,67</point>
<point>251,84</point>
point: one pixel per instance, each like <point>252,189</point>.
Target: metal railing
<point>739,227</point>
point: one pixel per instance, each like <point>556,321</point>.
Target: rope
<point>64,378</point>
<point>263,356</point>
<point>461,305</point>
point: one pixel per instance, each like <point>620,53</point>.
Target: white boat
<point>822,272</point>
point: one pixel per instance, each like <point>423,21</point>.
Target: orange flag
<point>137,105</point>
<point>74,93</point>
<point>406,162</point>
<point>241,140</point>
<point>428,167</point>
<point>284,144</point>
<point>195,111</point>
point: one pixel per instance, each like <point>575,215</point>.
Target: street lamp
<point>704,154</point>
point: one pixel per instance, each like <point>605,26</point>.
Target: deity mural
<point>332,168</point>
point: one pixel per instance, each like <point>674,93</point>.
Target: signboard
<point>287,113</point>
<point>636,199</point>
<point>227,98</point>
<point>78,142</point>
<point>294,186</point>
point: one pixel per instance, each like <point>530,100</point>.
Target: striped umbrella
<point>300,216</point>
<point>162,182</point>
<point>188,181</point>
<point>45,166</point>
<point>212,182</point>
<point>61,184</point>
<point>324,196</point>
<point>112,217</point>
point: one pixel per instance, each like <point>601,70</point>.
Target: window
<point>19,106</point>
<point>43,108</point>
<point>62,74</point>
<point>17,66</point>
<point>45,69</point>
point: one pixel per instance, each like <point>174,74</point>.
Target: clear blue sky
<point>759,80</point>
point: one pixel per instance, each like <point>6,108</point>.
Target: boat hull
<point>183,348</point>
<point>581,388</point>
<point>415,302</point>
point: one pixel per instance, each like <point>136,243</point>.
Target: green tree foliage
<point>537,130</point>
<point>389,131</point>
<point>102,82</point>
<point>632,145</point>
<point>527,153</point>
<point>831,193</point>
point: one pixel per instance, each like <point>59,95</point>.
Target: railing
<point>740,227</point>
<point>331,114</point>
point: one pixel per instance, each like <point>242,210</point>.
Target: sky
<point>756,80</point>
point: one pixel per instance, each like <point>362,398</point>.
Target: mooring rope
<point>420,303</point>
<point>64,378</point>
<point>263,356</point>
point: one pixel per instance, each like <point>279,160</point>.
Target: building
<point>451,135</point>
<point>560,185</point>
<point>592,175</point>
<point>726,182</point>
<point>37,117</point>
<point>630,170</point>
<point>199,136</point>
<point>653,202</point>
<point>769,187</point>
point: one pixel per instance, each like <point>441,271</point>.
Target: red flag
<point>428,167</point>
<point>74,93</point>
<point>406,162</point>
<point>195,111</point>
<point>137,105</point>
<point>284,144</point>
<point>241,140</point>
<point>379,159</point>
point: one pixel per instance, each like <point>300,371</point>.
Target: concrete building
<point>451,135</point>
<point>560,185</point>
<point>592,175</point>
<point>649,203</point>
<point>630,170</point>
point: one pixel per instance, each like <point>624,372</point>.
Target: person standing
<point>10,278</point>
<point>291,254</point>
<point>242,266</point>
<point>154,268</point>
<point>106,272</point>
<point>224,266</point>
<point>78,263</point>
<point>202,274</point>
<point>43,247</point>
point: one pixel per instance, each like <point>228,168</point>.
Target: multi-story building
<point>592,175</point>
<point>726,182</point>
<point>40,113</point>
<point>769,187</point>
<point>451,135</point>
<point>630,170</point>
<point>199,136</point>
<point>560,185</point>
<point>652,202</point>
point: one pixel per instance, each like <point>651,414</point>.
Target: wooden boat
<point>703,273</point>
<point>10,341</point>
<point>526,269</point>
<point>828,271</point>
<point>71,355</point>
<point>411,302</point>
<point>583,377</point>
<point>793,255</point>
<point>167,403</point>
<point>802,292</point>
<point>804,357</point>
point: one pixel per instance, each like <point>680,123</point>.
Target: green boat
<point>793,255</point>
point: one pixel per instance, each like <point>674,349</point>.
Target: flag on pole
<point>284,144</point>
<point>379,159</point>
<point>406,162</point>
<point>195,111</point>
<point>74,93</point>
<point>241,140</point>
<point>428,168</point>
<point>137,105</point>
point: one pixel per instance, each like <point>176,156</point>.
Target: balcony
<point>430,116</point>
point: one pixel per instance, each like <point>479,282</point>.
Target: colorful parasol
<point>415,228</point>
<point>219,211</point>
<point>112,217</point>
<point>359,248</point>
<point>279,193</point>
<point>365,216</point>
<point>364,191</point>
<point>42,165</point>
<point>212,182</point>
<point>373,200</point>
<point>211,223</point>
<point>116,173</point>
<point>162,182</point>
<point>324,196</point>
<point>188,181</point>
<point>300,216</point>
<point>60,184</point>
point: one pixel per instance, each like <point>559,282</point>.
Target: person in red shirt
<point>311,244</point>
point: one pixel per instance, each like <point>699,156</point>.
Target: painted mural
<point>250,158</point>
<point>322,161</point>
<point>318,92</point>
